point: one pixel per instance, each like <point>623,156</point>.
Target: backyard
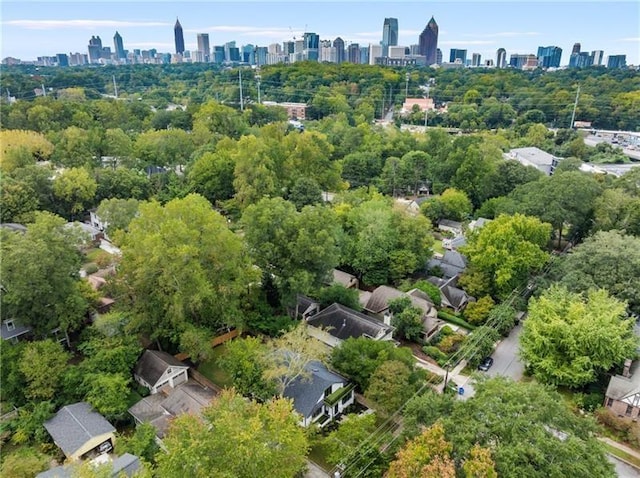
<point>212,371</point>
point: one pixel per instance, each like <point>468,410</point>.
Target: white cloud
<point>505,34</point>
<point>84,24</point>
<point>630,39</point>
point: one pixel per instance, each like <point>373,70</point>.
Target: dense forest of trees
<point>223,216</point>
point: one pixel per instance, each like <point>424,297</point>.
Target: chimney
<point>626,372</point>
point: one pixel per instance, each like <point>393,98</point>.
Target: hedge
<point>455,320</point>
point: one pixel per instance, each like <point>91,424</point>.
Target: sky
<point>31,29</point>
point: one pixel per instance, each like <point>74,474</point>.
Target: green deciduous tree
<point>142,442</point>
<point>75,190</point>
<point>40,280</point>
<point>352,431</point>
<point>108,393</point>
<point>42,363</point>
<point>245,361</point>
<point>164,148</point>
<point>391,384</point>
<point>359,358</point>
<point>477,312</point>
<point>298,248</point>
<point>568,339</point>
<point>340,294</point>
<point>24,463</point>
<point>263,439</point>
<point>506,251</point>
<point>117,213</point>
<point>610,260</point>
<point>451,204</point>
<point>181,265</point>
<point>212,173</point>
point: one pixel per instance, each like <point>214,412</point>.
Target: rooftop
<point>306,393</point>
<point>153,364</point>
<point>343,323</point>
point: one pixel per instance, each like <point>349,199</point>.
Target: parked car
<point>486,364</point>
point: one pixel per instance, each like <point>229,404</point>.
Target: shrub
<point>435,353</point>
<point>451,343</point>
<point>455,320</point>
<point>626,429</point>
<point>91,268</point>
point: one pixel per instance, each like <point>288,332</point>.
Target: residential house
<point>162,407</point>
<point>94,234</point>
<point>126,465</point>
<point>156,369</point>
<point>345,279</point>
<point>380,298</point>
<point>623,393</point>
<point>305,307</point>
<point>320,397</point>
<point>454,227</point>
<point>453,243</point>
<point>338,322</point>
<point>12,226</point>
<point>450,295</point>
<point>478,223</point>
<point>80,432</point>
<point>13,331</point>
<point>452,264</point>
<point>532,156</point>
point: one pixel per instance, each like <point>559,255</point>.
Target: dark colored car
<point>486,364</point>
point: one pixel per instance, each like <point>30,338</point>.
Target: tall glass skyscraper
<point>501,58</point>
<point>549,56</point>
<point>311,48</point>
<point>457,54</point>
<point>338,44</point>
<point>428,41</point>
<point>204,52</point>
<point>179,37</point>
<point>389,34</point>
<point>119,48</point>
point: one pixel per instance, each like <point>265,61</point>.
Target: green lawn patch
<point>212,371</point>
<point>438,247</point>
<point>621,454</point>
<point>134,397</point>
<point>318,454</point>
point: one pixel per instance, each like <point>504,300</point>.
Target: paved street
<point>622,469</point>
<point>505,358</point>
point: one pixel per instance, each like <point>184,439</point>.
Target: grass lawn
<point>211,370</point>
<point>134,397</point>
<point>318,454</point>
<point>621,454</point>
<point>99,256</point>
<point>437,247</point>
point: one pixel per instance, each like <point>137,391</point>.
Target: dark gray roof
<point>621,387</point>
<point>456,297</point>
<point>158,409</point>
<point>451,264</point>
<point>76,424</point>
<point>12,226</point>
<point>449,223</point>
<point>153,364</point>
<point>380,298</point>
<point>343,322</point>
<point>344,278</point>
<point>127,464</point>
<point>17,330</point>
<point>305,306</point>
<point>306,393</point>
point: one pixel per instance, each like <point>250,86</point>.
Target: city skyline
<point>65,27</point>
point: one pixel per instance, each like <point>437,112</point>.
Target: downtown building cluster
<point>311,48</point>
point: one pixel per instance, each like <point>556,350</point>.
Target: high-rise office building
<point>617,61</point>
<point>204,52</point>
<point>62,59</point>
<point>389,34</point>
<point>457,54</point>
<point>576,48</point>
<point>353,53</point>
<point>523,61</point>
<point>501,58</point>
<point>261,55</point>
<point>178,37</point>
<point>95,49</point>
<point>428,41</point>
<point>596,57</point>
<point>476,59</point>
<point>311,49</point>
<point>549,56</point>
<point>288,47</point>
<point>375,51</point>
<point>327,52</point>
<point>218,54</point>
<point>580,60</point>
<point>248,54</point>
<point>338,44</point>
<point>118,46</point>
<point>438,56</point>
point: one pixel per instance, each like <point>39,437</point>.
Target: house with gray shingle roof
<point>450,295</point>
<point>452,264</point>
<point>321,397</point>
<point>623,392</point>
<point>338,322</point>
<point>78,431</point>
<point>156,369</point>
<point>126,465</point>
<point>12,330</point>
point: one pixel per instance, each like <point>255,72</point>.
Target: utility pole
<point>115,87</point>
<point>240,81</point>
<point>575,106</point>
<point>44,92</point>
<point>258,78</point>
<point>406,85</point>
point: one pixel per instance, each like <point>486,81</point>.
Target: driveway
<point>506,361</point>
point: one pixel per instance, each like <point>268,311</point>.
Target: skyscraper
<point>338,44</point>
<point>95,49</point>
<point>617,61</point>
<point>428,41</point>
<point>549,56</point>
<point>311,46</point>
<point>353,53</point>
<point>438,56</point>
<point>596,57</point>
<point>178,37</point>
<point>456,54</point>
<point>119,48</point>
<point>389,34</point>
<point>204,53</point>
<point>501,58</point>
<point>576,48</point>
<point>476,59</point>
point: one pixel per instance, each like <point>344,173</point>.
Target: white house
<point>321,397</point>
<point>155,370</point>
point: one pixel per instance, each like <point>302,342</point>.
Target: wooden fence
<point>220,339</point>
